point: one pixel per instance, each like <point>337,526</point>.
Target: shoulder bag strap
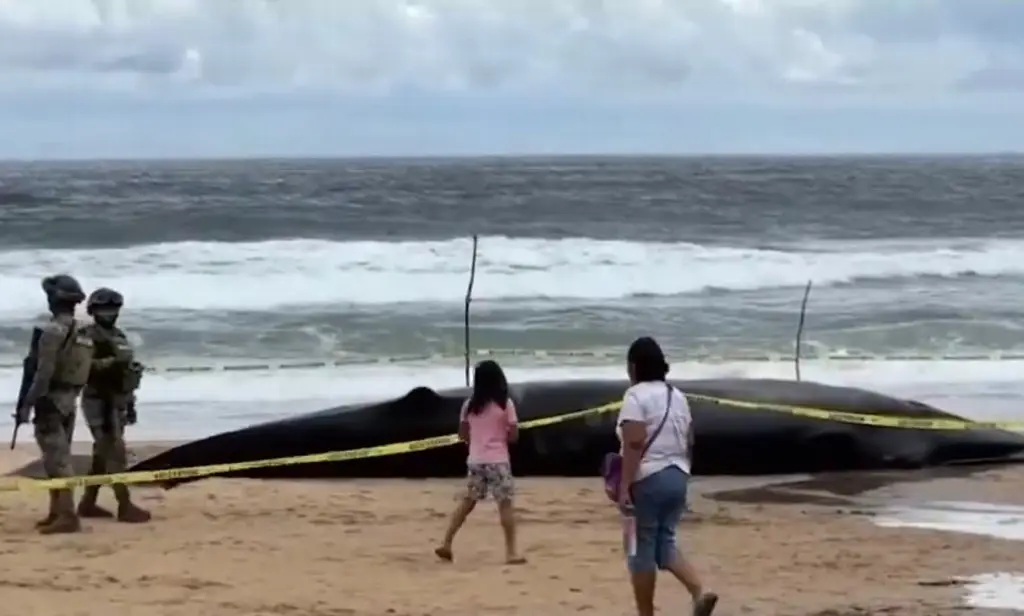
<point>664,418</point>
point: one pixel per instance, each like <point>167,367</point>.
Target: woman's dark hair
<point>489,385</point>
<point>647,359</point>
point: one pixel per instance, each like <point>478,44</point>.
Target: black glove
<point>130,416</point>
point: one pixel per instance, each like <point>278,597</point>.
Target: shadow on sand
<point>867,490</point>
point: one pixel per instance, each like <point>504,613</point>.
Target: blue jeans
<point>659,501</point>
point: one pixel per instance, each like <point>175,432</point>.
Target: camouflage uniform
<point>63,356</point>
<point>108,404</point>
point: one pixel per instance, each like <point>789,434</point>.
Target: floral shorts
<point>493,479</point>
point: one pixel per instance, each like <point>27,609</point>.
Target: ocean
<point>361,267</point>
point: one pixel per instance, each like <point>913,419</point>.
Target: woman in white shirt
<point>654,427</point>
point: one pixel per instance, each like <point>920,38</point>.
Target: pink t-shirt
<point>488,432</point>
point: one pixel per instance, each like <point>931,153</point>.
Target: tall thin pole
<point>800,329</point>
<point>465,314</point>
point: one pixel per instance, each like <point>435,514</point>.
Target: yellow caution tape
<point>864,419</point>
<point>14,484</point>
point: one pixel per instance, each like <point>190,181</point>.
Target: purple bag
<point>611,467</point>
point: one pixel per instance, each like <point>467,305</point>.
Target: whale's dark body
<point>729,440</point>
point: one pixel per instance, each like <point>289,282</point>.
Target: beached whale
<point>730,440</point>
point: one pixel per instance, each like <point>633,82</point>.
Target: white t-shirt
<point>646,402</point>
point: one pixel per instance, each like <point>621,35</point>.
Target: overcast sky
<point>180,78</point>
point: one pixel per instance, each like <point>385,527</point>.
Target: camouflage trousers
<point>106,420</point>
<point>54,426</point>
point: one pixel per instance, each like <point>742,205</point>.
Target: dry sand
<point>251,548</point>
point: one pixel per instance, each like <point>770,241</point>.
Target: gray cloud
<point>655,47</point>
<point>110,78</point>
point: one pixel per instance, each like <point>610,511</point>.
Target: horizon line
<point>739,154</point>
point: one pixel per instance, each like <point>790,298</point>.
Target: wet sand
<point>254,548</point>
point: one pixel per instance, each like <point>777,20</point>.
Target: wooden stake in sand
<point>800,329</point>
<point>465,314</point>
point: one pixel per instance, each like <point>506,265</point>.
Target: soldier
<point>63,356</point>
<point>108,404</point>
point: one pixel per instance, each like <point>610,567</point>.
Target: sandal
<point>705,604</point>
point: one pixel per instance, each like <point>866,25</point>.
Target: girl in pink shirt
<point>487,424</point>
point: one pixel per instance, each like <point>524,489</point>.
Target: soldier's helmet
<point>104,298</point>
<point>63,288</point>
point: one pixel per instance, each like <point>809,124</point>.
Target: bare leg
<point>685,573</point>
<point>462,511</point>
<point>703,602</point>
<point>643,591</point>
<point>507,515</point>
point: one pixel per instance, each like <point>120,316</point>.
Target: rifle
<point>28,374</point>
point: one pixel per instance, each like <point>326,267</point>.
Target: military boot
<point>66,521</point>
<point>87,507</point>
<point>52,515</point>
<point>127,511</point>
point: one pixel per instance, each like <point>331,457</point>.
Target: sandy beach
<point>253,548</point>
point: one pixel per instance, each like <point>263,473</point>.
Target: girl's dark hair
<point>647,359</point>
<point>489,385</point>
